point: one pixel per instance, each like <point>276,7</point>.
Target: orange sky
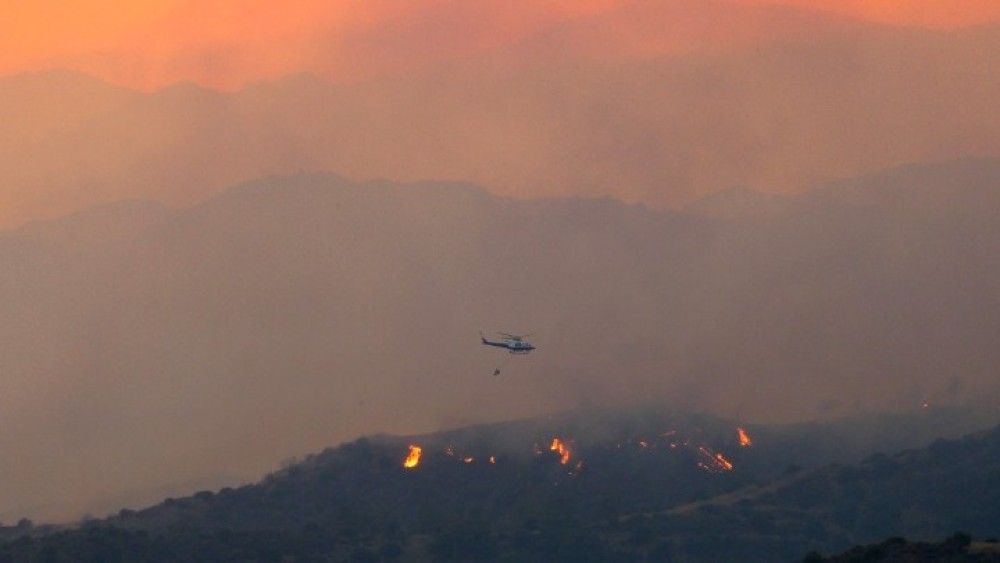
<point>225,43</point>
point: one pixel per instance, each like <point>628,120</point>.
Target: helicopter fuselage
<point>511,345</point>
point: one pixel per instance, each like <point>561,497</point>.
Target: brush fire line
<point>708,459</point>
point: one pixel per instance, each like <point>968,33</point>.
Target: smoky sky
<point>769,213</point>
<point>228,43</point>
<point>836,101</point>
<point>145,347</point>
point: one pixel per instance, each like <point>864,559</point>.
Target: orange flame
<point>559,447</point>
<point>493,459</point>
<point>745,440</point>
<point>713,462</point>
<point>723,462</point>
<point>468,460</point>
<point>413,458</point>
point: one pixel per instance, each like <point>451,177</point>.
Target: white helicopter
<point>513,343</point>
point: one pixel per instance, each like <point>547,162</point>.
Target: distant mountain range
<point>772,98</point>
<point>641,485</point>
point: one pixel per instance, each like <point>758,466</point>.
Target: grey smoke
<point>144,346</point>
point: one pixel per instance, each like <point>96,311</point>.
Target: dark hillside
<point>957,549</point>
<point>924,494</point>
<point>604,487</point>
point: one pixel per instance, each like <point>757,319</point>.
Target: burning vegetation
<point>713,462</point>
<point>413,458</point>
<point>707,458</point>
<point>560,448</point>
<point>745,441</point>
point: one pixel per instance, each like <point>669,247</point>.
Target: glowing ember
<point>559,447</point>
<point>713,462</point>
<point>576,469</point>
<point>707,458</point>
<point>723,462</point>
<point>413,458</point>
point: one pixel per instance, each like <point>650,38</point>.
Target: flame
<point>559,447</point>
<point>707,458</point>
<point>713,462</point>
<point>745,440</point>
<point>723,462</point>
<point>413,458</point>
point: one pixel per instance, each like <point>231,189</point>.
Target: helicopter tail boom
<point>491,343</point>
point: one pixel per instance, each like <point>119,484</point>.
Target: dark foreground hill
<point>926,493</point>
<point>957,549</point>
<point>610,487</point>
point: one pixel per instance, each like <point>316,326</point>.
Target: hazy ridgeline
<point>770,98</point>
<point>144,346</point>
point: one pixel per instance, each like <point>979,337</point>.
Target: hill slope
<point>629,499</point>
<point>956,549</point>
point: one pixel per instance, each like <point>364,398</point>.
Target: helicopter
<point>513,343</point>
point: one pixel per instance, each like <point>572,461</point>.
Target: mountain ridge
<point>359,497</point>
<point>647,130</point>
